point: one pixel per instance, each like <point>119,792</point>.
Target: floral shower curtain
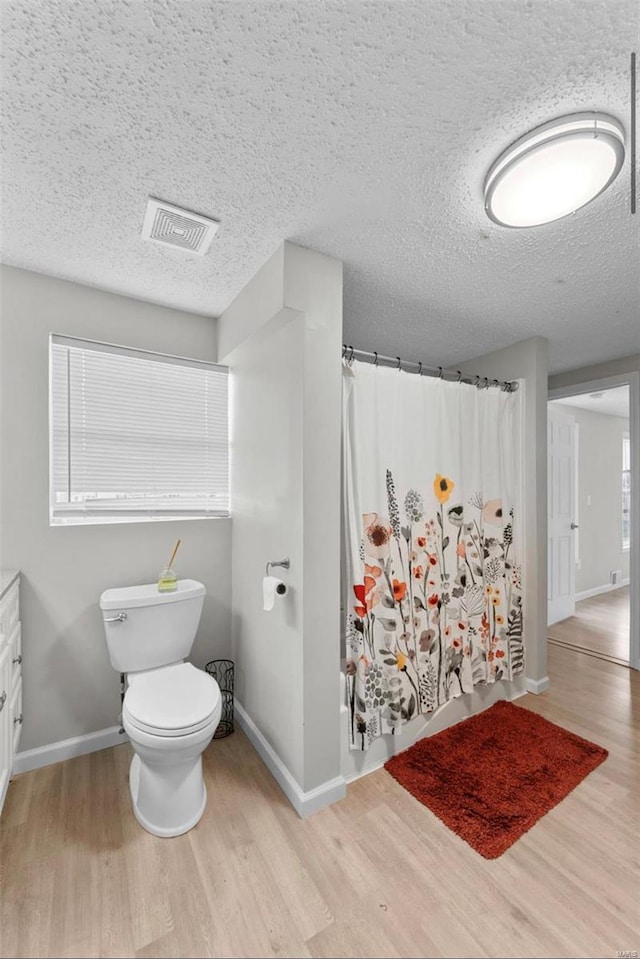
<point>434,603</point>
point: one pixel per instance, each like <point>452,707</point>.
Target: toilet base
<point>167,802</point>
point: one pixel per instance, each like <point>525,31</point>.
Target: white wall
<point>266,463</point>
<point>625,370</point>
<point>528,361</point>
<point>599,481</point>
<point>281,339</point>
<point>70,688</point>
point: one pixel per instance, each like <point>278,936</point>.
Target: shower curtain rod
<point>379,359</point>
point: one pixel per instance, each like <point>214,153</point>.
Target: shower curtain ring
<point>459,376</point>
<point>486,383</point>
<point>399,366</point>
<point>351,358</point>
<point>375,362</point>
<point>495,382</point>
<point>440,372</point>
<point>419,369</point>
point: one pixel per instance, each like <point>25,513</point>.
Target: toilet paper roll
<point>272,588</point>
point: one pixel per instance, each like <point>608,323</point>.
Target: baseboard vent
<point>615,577</point>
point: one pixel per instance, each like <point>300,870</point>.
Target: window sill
<point>89,520</point>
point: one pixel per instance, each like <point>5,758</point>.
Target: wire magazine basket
<point>222,671</point>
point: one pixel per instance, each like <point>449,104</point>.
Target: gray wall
<point>281,339</point>
<point>70,688</point>
<point>599,466</point>
<point>626,364</point>
<point>528,361</point>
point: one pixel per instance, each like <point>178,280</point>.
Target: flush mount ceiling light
<point>554,170</point>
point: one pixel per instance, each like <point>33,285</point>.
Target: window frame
<point>83,513</point>
<point>625,517</point>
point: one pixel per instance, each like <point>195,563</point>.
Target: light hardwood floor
<point>600,626</point>
<point>374,875</point>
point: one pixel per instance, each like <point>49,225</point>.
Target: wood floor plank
<point>28,901</point>
<point>148,886</point>
<point>600,625</point>
<point>348,938</point>
<point>374,875</point>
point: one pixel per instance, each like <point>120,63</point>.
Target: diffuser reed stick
<point>173,555</point>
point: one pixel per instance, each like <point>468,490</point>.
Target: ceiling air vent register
<point>172,226</point>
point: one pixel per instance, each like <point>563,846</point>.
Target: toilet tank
<point>146,629</point>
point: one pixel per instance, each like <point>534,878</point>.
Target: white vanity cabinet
<point>10,675</point>
<point>5,737</point>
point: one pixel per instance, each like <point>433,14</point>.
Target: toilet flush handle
<point>120,618</point>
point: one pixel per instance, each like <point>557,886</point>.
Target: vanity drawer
<point>9,610</point>
<point>15,655</point>
<point>15,718</point>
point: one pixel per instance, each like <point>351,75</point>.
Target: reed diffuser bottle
<point>168,581</point>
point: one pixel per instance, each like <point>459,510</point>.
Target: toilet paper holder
<point>278,562</point>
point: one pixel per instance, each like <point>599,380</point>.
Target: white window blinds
<point>135,435</point>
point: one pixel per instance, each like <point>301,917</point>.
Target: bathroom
<point>285,788</point>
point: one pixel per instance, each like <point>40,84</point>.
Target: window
<point>135,435</point>
<point>626,491</point>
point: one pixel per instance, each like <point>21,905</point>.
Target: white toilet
<point>171,709</point>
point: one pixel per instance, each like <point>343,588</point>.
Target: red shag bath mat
<point>491,777</point>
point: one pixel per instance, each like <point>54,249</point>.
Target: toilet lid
<point>173,700</point>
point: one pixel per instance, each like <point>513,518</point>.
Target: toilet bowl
<point>171,709</point>
<point>170,715</point>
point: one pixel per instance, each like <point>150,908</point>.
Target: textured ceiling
<point>363,130</point>
<point>613,402</point>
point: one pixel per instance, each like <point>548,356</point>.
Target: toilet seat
<point>161,731</point>
<point>175,700</point>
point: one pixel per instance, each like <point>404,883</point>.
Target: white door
<point>561,515</point>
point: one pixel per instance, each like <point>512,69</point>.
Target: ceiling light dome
<point>554,170</point>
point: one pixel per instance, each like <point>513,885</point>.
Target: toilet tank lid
<point>128,597</point>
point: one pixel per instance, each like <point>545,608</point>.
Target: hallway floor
<point>600,626</point>
<point>374,875</point>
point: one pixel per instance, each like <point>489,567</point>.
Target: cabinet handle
<point>3,700</point>
<point>19,718</point>
<point>18,659</point>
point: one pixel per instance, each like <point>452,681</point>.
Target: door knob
<point>574,526</point>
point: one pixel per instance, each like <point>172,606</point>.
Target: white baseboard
<point>598,590</point>
<point>538,686</point>
<point>304,803</point>
<point>67,749</point>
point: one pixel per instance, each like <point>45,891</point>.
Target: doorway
<point>591,519</point>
